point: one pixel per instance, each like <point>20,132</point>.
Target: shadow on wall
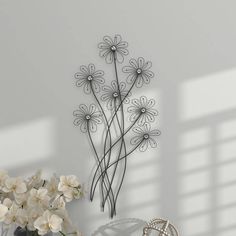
<point>122,227</point>
<point>196,185</point>
<point>198,155</point>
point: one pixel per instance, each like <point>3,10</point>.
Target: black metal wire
<point>121,127</point>
<point>123,174</point>
<point>95,174</point>
<point>118,156</point>
<point>116,110</point>
<point>113,163</point>
<point>99,104</point>
<point>122,132</point>
<point>96,154</point>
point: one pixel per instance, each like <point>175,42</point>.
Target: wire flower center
<point>115,94</point>
<point>87,117</point>
<point>139,71</point>
<point>143,110</point>
<point>146,136</point>
<point>90,77</point>
<point>113,48</point>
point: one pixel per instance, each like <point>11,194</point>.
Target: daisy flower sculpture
<point>113,103</point>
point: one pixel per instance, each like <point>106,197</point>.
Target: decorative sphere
<point>164,227</point>
<point>113,48</point>
<point>139,71</point>
<point>115,94</point>
<point>87,117</point>
<point>143,110</point>
<point>90,77</point>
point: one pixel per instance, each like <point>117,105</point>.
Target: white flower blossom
<point>21,199</point>
<point>52,186</point>
<point>33,214</point>
<point>3,212</point>
<point>68,182</point>
<point>12,214</point>
<point>59,203</point>
<point>38,204</point>
<point>22,218</point>
<point>16,215</point>
<point>15,185</point>
<point>63,214</point>
<point>35,181</point>
<point>68,195</point>
<point>72,193</point>
<point>7,202</point>
<point>70,187</point>
<point>39,196</point>
<point>48,222</point>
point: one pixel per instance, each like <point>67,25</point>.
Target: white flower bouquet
<point>37,206</point>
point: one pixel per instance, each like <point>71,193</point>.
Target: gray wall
<point>191,177</point>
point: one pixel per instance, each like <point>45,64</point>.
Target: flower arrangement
<point>36,205</point>
<point>112,160</point>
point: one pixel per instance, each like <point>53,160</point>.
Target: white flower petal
<point>7,202</point>
<point>152,142</point>
<point>108,40</point>
<point>117,39</point>
<point>91,68</point>
<point>143,146</point>
<point>55,223</point>
<point>21,187</point>
<point>109,57</point>
<point>141,62</point>
<point>3,212</point>
<point>139,81</point>
<point>133,63</point>
<point>136,140</point>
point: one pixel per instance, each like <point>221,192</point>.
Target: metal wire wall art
<point>113,102</point>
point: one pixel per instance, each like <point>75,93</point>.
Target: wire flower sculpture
<point>113,49</point>
<point>110,111</point>
<point>142,110</point>
<point>89,78</point>
<point>112,93</point>
<point>87,118</point>
<point>138,72</point>
<point>145,137</point>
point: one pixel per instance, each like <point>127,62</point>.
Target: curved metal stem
<point>102,183</point>
<point>122,132</point>
<point>113,163</point>
<point>118,156</point>
<point>92,189</point>
<point>108,131</point>
<point>122,100</point>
